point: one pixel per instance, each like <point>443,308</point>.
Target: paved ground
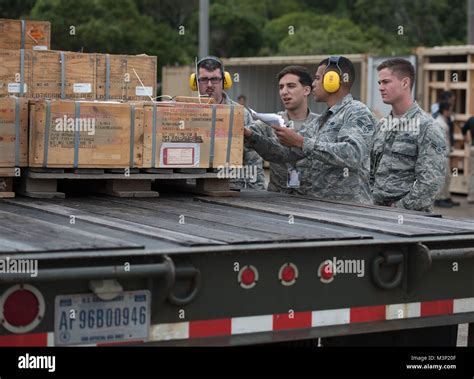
<point>465,210</point>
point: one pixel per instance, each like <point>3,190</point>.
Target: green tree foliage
<point>424,22</point>
<point>15,9</point>
<point>169,28</point>
<point>109,26</point>
<point>310,33</point>
<point>234,27</point>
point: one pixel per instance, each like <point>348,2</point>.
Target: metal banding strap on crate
<point>47,125</point>
<point>22,71</point>
<point>77,133</point>
<point>23,28</point>
<point>213,136</point>
<point>17,132</point>
<point>153,138</point>
<point>63,76</point>
<point>107,76</point>
<point>132,134</point>
<point>229,137</point>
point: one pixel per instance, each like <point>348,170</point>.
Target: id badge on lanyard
<point>294,178</point>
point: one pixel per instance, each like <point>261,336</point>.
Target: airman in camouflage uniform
<point>210,82</point>
<point>295,85</point>
<point>279,171</point>
<point>408,157</point>
<point>408,167</point>
<point>337,144</point>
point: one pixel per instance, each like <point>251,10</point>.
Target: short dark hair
<point>346,67</point>
<point>242,97</point>
<point>401,67</point>
<point>211,64</point>
<point>444,106</point>
<point>301,72</point>
<point>445,96</point>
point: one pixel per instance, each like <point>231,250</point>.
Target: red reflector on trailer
<point>248,277</point>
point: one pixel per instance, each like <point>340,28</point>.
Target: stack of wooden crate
<point>64,110</point>
<point>451,68</point>
<point>134,135</point>
<point>70,75</point>
<point>16,38</point>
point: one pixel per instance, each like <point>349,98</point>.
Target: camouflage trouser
<point>252,160</point>
<point>470,182</point>
<point>444,193</point>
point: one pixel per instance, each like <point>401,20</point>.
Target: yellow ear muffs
<point>331,81</point>
<point>227,80</point>
<point>193,82</point>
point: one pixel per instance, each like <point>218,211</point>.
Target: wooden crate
<point>67,75</point>
<point>121,71</point>
<point>26,34</point>
<point>13,72</point>
<point>184,135</point>
<point>13,132</point>
<point>106,145</point>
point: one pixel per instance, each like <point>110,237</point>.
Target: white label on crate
<point>105,156</point>
<point>179,155</point>
<point>82,88</point>
<point>15,87</point>
<point>40,47</point>
<point>143,91</point>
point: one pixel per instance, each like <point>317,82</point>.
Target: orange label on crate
<point>36,33</point>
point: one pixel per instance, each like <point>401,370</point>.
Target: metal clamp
<point>185,273</point>
<point>387,259</point>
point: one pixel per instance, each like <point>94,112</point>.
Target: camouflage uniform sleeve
<point>430,171</point>
<point>247,118</point>
<point>374,154</point>
<point>269,149</point>
<point>251,158</point>
<point>352,142</point>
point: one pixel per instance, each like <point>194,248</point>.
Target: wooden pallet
<point>55,183</point>
<point>6,182</point>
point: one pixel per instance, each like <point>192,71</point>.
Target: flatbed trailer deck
<point>213,267</point>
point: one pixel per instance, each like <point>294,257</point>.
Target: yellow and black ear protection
<point>332,78</point>
<point>226,77</point>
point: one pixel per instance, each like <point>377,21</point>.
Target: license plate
<point>86,319</point>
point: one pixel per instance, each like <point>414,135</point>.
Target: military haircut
<point>211,64</point>
<point>301,72</point>
<point>401,68</point>
<point>346,68</point>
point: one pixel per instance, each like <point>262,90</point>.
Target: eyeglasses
<point>213,80</point>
